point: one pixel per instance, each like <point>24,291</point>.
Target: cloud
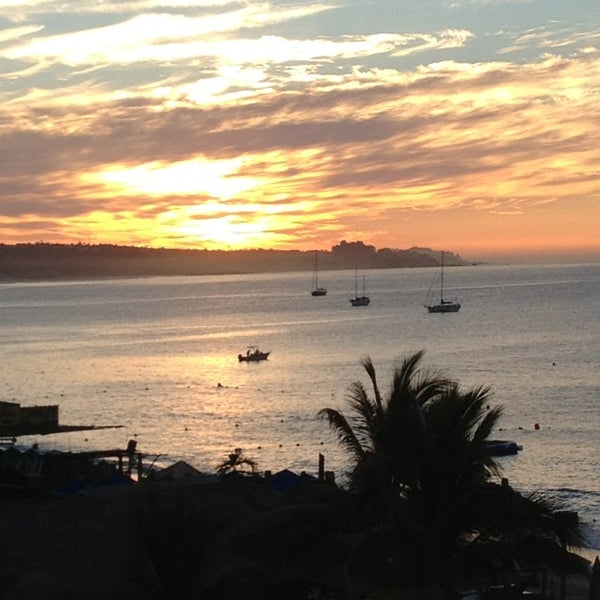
<point>489,111</point>
<point>14,33</point>
<point>188,121</point>
<point>547,39</point>
<point>19,10</point>
<point>167,39</point>
<point>191,178</point>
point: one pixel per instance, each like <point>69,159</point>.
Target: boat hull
<point>319,292</point>
<point>501,447</point>
<point>360,301</point>
<point>445,307</point>
<point>253,357</point>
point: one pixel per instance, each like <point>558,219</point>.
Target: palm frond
<point>404,396</point>
<point>553,517</point>
<point>366,418</point>
<point>368,366</point>
<point>429,387</point>
<point>405,374</point>
<point>339,424</point>
<point>473,412</point>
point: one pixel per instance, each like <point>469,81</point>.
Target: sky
<point>466,125</point>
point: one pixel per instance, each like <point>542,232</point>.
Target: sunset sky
<point>466,125</point>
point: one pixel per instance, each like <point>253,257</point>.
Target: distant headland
<point>46,261</point>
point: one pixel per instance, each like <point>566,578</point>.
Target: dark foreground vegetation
<point>425,516</point>
<point>232,538</point>
<point>42,261</point>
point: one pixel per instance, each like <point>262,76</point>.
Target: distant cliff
<point>43,261</point>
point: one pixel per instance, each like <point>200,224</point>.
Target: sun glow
<point>231,225</point>
<point>221,214</point>
<point>225,231</point>
<point>191,177</point>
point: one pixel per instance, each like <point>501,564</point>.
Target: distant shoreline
<point>64,262</point>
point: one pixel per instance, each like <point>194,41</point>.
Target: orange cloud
<point>285,141</point>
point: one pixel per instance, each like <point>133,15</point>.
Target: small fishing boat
<point>443,306</point>
<point>362,300</point>
<point>253,354</point>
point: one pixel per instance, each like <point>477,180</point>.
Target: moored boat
<point>317,290</point>
<point>443,306</point>
<point>501,447</point>
<point>362,300</point>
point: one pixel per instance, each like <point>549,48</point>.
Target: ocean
<point>158,356</point>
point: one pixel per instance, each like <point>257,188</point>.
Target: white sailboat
<point>362,300</point>
<point>317,290</point>
<point>443,306</point>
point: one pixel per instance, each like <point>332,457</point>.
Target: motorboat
<point>253,354</point>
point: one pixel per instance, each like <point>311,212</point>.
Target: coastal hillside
<point>43,261</point>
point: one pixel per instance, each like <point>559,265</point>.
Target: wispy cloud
<point>180,123</point>
<point>149,36</point>
<point>547,39</point>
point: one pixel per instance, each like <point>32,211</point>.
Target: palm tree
<point>421,469</point>
<point>237,462</point>
<point>386,437</point>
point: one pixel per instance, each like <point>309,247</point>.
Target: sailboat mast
<point>317,290</point>
<point>444,306</point>
<point>442,281</point>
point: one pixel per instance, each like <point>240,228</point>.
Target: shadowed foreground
<point>202,539</point>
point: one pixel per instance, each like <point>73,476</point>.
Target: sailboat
<point>359,300</point>
<point>443,306</point>
<point>317,290</point>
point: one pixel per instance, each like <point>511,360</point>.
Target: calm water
<point>149,354</point>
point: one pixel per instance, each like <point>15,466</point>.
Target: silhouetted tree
<point>236,462</point>
<point>439,517</point>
